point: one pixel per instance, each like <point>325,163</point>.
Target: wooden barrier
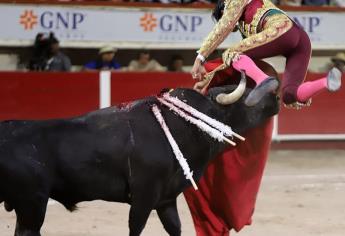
<point>58,95</point>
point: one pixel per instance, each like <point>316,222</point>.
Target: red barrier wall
<point>56,95</point>
<point>130,86</point>
<point>47,95</point>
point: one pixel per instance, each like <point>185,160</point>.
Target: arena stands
<point>320,3</point>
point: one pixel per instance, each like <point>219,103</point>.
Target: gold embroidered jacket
<point>233,11</point>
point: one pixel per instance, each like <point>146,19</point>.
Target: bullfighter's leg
<point>294,90</point>
<point>309,89</point>
<point>170,219</point>
<point>30,217</point>
<point>294,44</point>
<point>278,36</point>
<point>143,202</point>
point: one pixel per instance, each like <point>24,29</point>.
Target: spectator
<point>40,52</point>
<point>105,61</point>
<point>316,2</point>
<point>56,60</point>
<point>338,3</point>
<point>144,63</point>
<point>47,55</point>
<point>339,61</point>
<point>176,64</point>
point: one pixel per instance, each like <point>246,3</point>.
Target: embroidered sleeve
<point>232,12</point>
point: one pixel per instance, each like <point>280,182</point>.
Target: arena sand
<point>303,194</point>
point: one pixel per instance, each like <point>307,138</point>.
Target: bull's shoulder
<point>115,117</point>
<point>119,111</point>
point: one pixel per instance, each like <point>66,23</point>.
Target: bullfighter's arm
<point>232,12</point>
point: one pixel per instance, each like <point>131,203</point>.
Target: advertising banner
<point>140,27</point>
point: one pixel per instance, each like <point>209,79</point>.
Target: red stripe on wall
<point>57,95</point>
<point>47,95</point>
<point>130,86</point>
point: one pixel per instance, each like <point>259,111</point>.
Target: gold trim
<point>276,26</point>
<point>298,105</point>
<point>232,12</point>
<point>251,29</point>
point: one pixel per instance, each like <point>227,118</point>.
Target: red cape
<point>228,189</point>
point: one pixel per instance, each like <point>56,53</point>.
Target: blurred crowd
<point>340,3</point>
<point>47,56</point>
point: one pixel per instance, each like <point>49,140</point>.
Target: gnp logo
<point>170,23</point>
<point>51,20</point>
<point>309,24</point>
<point>148,22</point>
<point>28,19</point>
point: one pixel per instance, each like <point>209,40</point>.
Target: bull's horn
<point>234,96</point>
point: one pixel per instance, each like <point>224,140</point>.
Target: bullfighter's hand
<point>199,86</point>
<point>198,70</point>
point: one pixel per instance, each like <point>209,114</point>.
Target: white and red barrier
<point>58,95</point>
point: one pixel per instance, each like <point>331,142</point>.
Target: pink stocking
<point>246,64</point>
<point>309,89</point>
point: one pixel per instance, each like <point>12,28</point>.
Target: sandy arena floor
<point>303,194</point>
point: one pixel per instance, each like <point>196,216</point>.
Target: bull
<point>117,154</point>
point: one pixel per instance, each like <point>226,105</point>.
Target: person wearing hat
<point>105,60</point>
<point>339,61</point>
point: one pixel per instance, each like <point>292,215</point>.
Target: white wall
<point>8,62</point>
<point>317,64</point>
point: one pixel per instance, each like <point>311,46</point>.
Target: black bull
<point>114,154</point>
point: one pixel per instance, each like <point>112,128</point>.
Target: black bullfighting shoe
<point>269,85</point>
<point>334,80</point>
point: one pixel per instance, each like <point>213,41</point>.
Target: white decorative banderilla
<point>214,133</point>
<point>212,122</point>
<point>179,156</point>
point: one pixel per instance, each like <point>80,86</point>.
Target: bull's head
<point>230,100</point>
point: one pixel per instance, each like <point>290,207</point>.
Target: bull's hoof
<point>269,85</point>
<point>334,80</point>
<point>8,207</point>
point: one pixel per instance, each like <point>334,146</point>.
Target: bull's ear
<point>164,90</point>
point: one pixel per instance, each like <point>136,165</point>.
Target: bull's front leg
<point>170,219</point>
<point>30,216</point>
<point>144,199</point>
